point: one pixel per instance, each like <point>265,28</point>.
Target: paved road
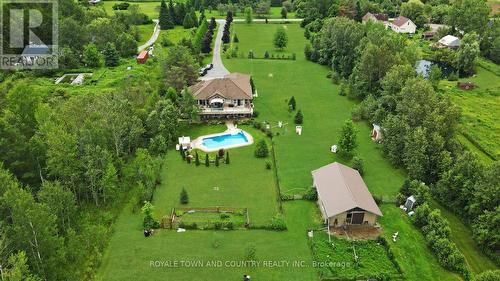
<point>219,70</point>
<point>152,40</point>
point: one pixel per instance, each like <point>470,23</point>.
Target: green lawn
<point>129,254</point>
<point>244,183</point>
<point>324,113</point>
<point>146,30</point>
<point>177,34</point>
<point>149,8</point>
<point>480,107</point>
<point>275,13</point>
<point>410,249</point>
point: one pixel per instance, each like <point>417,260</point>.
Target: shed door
<point>357,218</point>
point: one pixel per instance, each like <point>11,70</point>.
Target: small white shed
<point>376,133</point>
<point>410,202</point>
<point>185,142</point>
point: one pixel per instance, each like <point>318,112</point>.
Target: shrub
<point>224,216</point>
<point>299,118</point>
<point>255,114</point>
<point>261,150</point>
<point>250,252</point>
<point>227,157</point>
<point>217,161</point>
<point>184,198</point>
<point>266,55</point>
<point>235,39</point>
<point>197,159</point>
<point>311,194</point>
<point>229,225</point>
<point>218,225</point>
<point>292,103</point>
<point>149,222</point>
<point>268,165</point>
<point>358,164</point>
<point>278,223</point>
<point>207,161</point>
<point>188,226</point>
<point>490,275</point>
<point>250,55</point>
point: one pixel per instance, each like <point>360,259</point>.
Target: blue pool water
<point>223,141</point>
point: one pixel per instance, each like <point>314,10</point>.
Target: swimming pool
<point>224,141</point>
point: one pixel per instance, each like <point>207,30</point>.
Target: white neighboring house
<point>449,41</point>
<point>403,25</point>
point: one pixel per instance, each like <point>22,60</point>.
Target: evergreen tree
<point>261,150</point>
<point>188,22</point>
<point>292,103</point>
<point>184,198</point>
<point>284,13</point>
<point>227,157</point>
<point>217,160</point>
<point>226,33</point>
<point>299,118</point>
<point>235,39</point>
<point>248,15</point>
<point>359,16</point>
<point>194,18</point>
<point>171,11</point>
<point>111,55</point>
<point>207,161</point>
<point>206,43</point>
<point>165,17</point>
<point>197,159</point>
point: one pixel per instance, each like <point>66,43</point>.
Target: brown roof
<point>231,86</point>
<point>341,188</point>
<point>377,16</point>
<point>399,21</point>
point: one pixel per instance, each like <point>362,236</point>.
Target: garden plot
<point>342,259</point>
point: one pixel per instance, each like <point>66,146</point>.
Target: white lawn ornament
<point>181,230</point>
<point>411,213</point>
<point>334,148</point>
<point>394,236</point>
<point>280,124</point>
<point>298,130</point>
<point>310,234</point>
<point>268,126</point>
<point>177,147</point>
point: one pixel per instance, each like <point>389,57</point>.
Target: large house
<point>343,197</point>
<point>403,25</point>
<point>227,97</point>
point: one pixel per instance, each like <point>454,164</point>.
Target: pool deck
<point>231,129</point>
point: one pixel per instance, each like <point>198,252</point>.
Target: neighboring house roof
<point>449,41</point>
<point>341,188</point>
<point>143,55</point>
<point>36,50</point>
<point>400,21</point>
<point>231,86</point>
<point>376,16</point>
